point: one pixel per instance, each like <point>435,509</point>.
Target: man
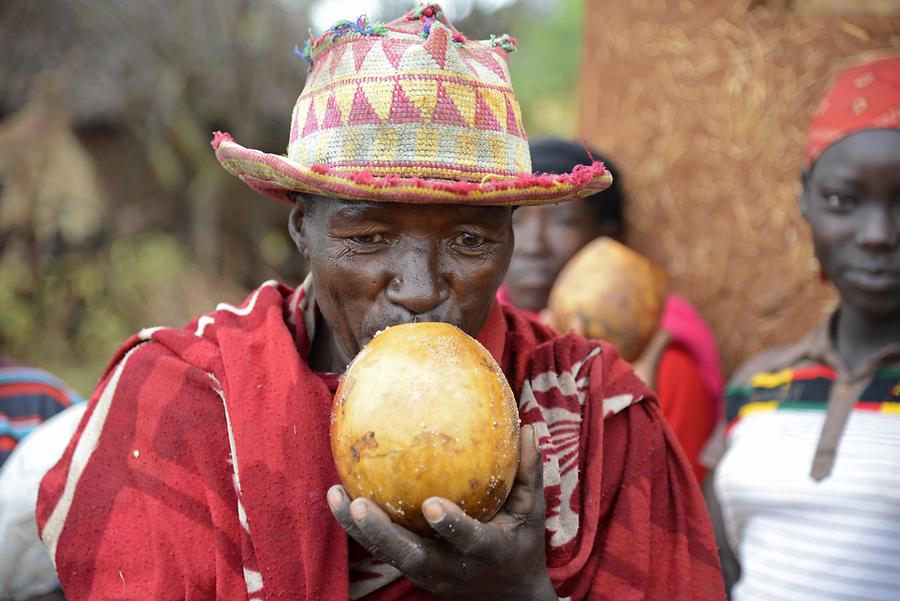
<point>203,468</point>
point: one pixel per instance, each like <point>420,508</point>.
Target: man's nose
<point>417,283</point>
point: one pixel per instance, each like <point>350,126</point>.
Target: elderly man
<point>203,470</point>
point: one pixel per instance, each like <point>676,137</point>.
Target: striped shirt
<point>28,397</point>
<point>803,538</point>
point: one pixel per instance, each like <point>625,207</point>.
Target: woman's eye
<point>368,239</point>
<point>468,240</point>
<point>840,201</point>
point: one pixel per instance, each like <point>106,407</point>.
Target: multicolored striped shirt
<point>808,389</point>
<point>28,397</point>
<point>830,533</point>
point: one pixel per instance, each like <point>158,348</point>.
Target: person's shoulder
<point>770,360</point>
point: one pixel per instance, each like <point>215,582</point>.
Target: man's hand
<point>499,560</point>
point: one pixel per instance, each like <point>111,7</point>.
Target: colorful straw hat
<point>411,111</point>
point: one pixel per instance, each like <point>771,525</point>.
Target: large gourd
<point>424,410</point>
<point>616,294</point>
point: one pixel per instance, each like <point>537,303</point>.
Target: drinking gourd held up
<point>424,410</point>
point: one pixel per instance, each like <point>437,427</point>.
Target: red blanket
<point>200,470</point>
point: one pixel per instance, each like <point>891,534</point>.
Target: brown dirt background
<point>704,106</point>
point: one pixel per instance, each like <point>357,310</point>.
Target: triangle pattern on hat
<point>496,102</point>
<point>445,112</point>
<point>423,94</point>
<point>343,95</point>
<point>361,47</point>
<point>402,110</point>
<point>300,110</point>
<point>488,58</point>
<point>320,102</point>
<point>362,112</point>
<point>379,94</point>
<point>376,62</point>
<point>481,72</point>
<point>516,111</point>
<point>463,97</point>
<point>512,127</point>
<point>436,45</point>
<point>393,51</point>
<point>453,62</point>
<point>311,126</point>
<point>417,59</point>
<point>484,116</point>
<point>337,53</point>
<point>332,113</point>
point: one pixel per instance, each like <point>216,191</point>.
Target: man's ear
<point>296,223</point>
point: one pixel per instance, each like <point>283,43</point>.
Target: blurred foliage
<point>545,68</point>
<point>114,213</point>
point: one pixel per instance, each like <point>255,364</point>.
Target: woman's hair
<point>555,155</point>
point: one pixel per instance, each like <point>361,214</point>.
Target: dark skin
<point>380,264</point>
<point>546,238</point>
<point>851,200</point>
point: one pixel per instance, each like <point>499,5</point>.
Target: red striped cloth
<point>201,467</point>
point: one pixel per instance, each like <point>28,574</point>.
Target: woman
<point>807,493</point>
<point>681,363</point>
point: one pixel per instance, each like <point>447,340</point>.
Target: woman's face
<point>851,199</point>
<point>546,238</point>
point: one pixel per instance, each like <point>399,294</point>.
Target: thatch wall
<point>704,106</point>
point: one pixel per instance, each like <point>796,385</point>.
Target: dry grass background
<point>704,106</point>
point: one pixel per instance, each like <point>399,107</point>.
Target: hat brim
<point>278,176</point>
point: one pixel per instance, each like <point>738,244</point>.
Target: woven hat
<point>408,111</point>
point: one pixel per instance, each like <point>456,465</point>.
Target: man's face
<point>546,238</point>
<point>376,265</point>
<point>852,203</point>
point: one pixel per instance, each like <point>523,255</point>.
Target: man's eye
<point>468,241</point>
<point>840,201</point>
<point>369,239</point>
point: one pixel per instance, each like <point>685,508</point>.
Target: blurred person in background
<point>28,397</point>
<point>26,570</point>
<point>805,495</point>
<point>202,468</point>
<point>681,363</point>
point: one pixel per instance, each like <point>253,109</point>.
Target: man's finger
<point>527,494</point>
<point>387,541</point>
<point>466,534</point>
<point>339,503</point>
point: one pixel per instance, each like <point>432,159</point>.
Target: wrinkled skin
<point>851,200</point>
<point>380,264</point>
<point>376,265</point>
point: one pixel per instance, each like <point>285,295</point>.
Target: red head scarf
<point>866,96</point>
